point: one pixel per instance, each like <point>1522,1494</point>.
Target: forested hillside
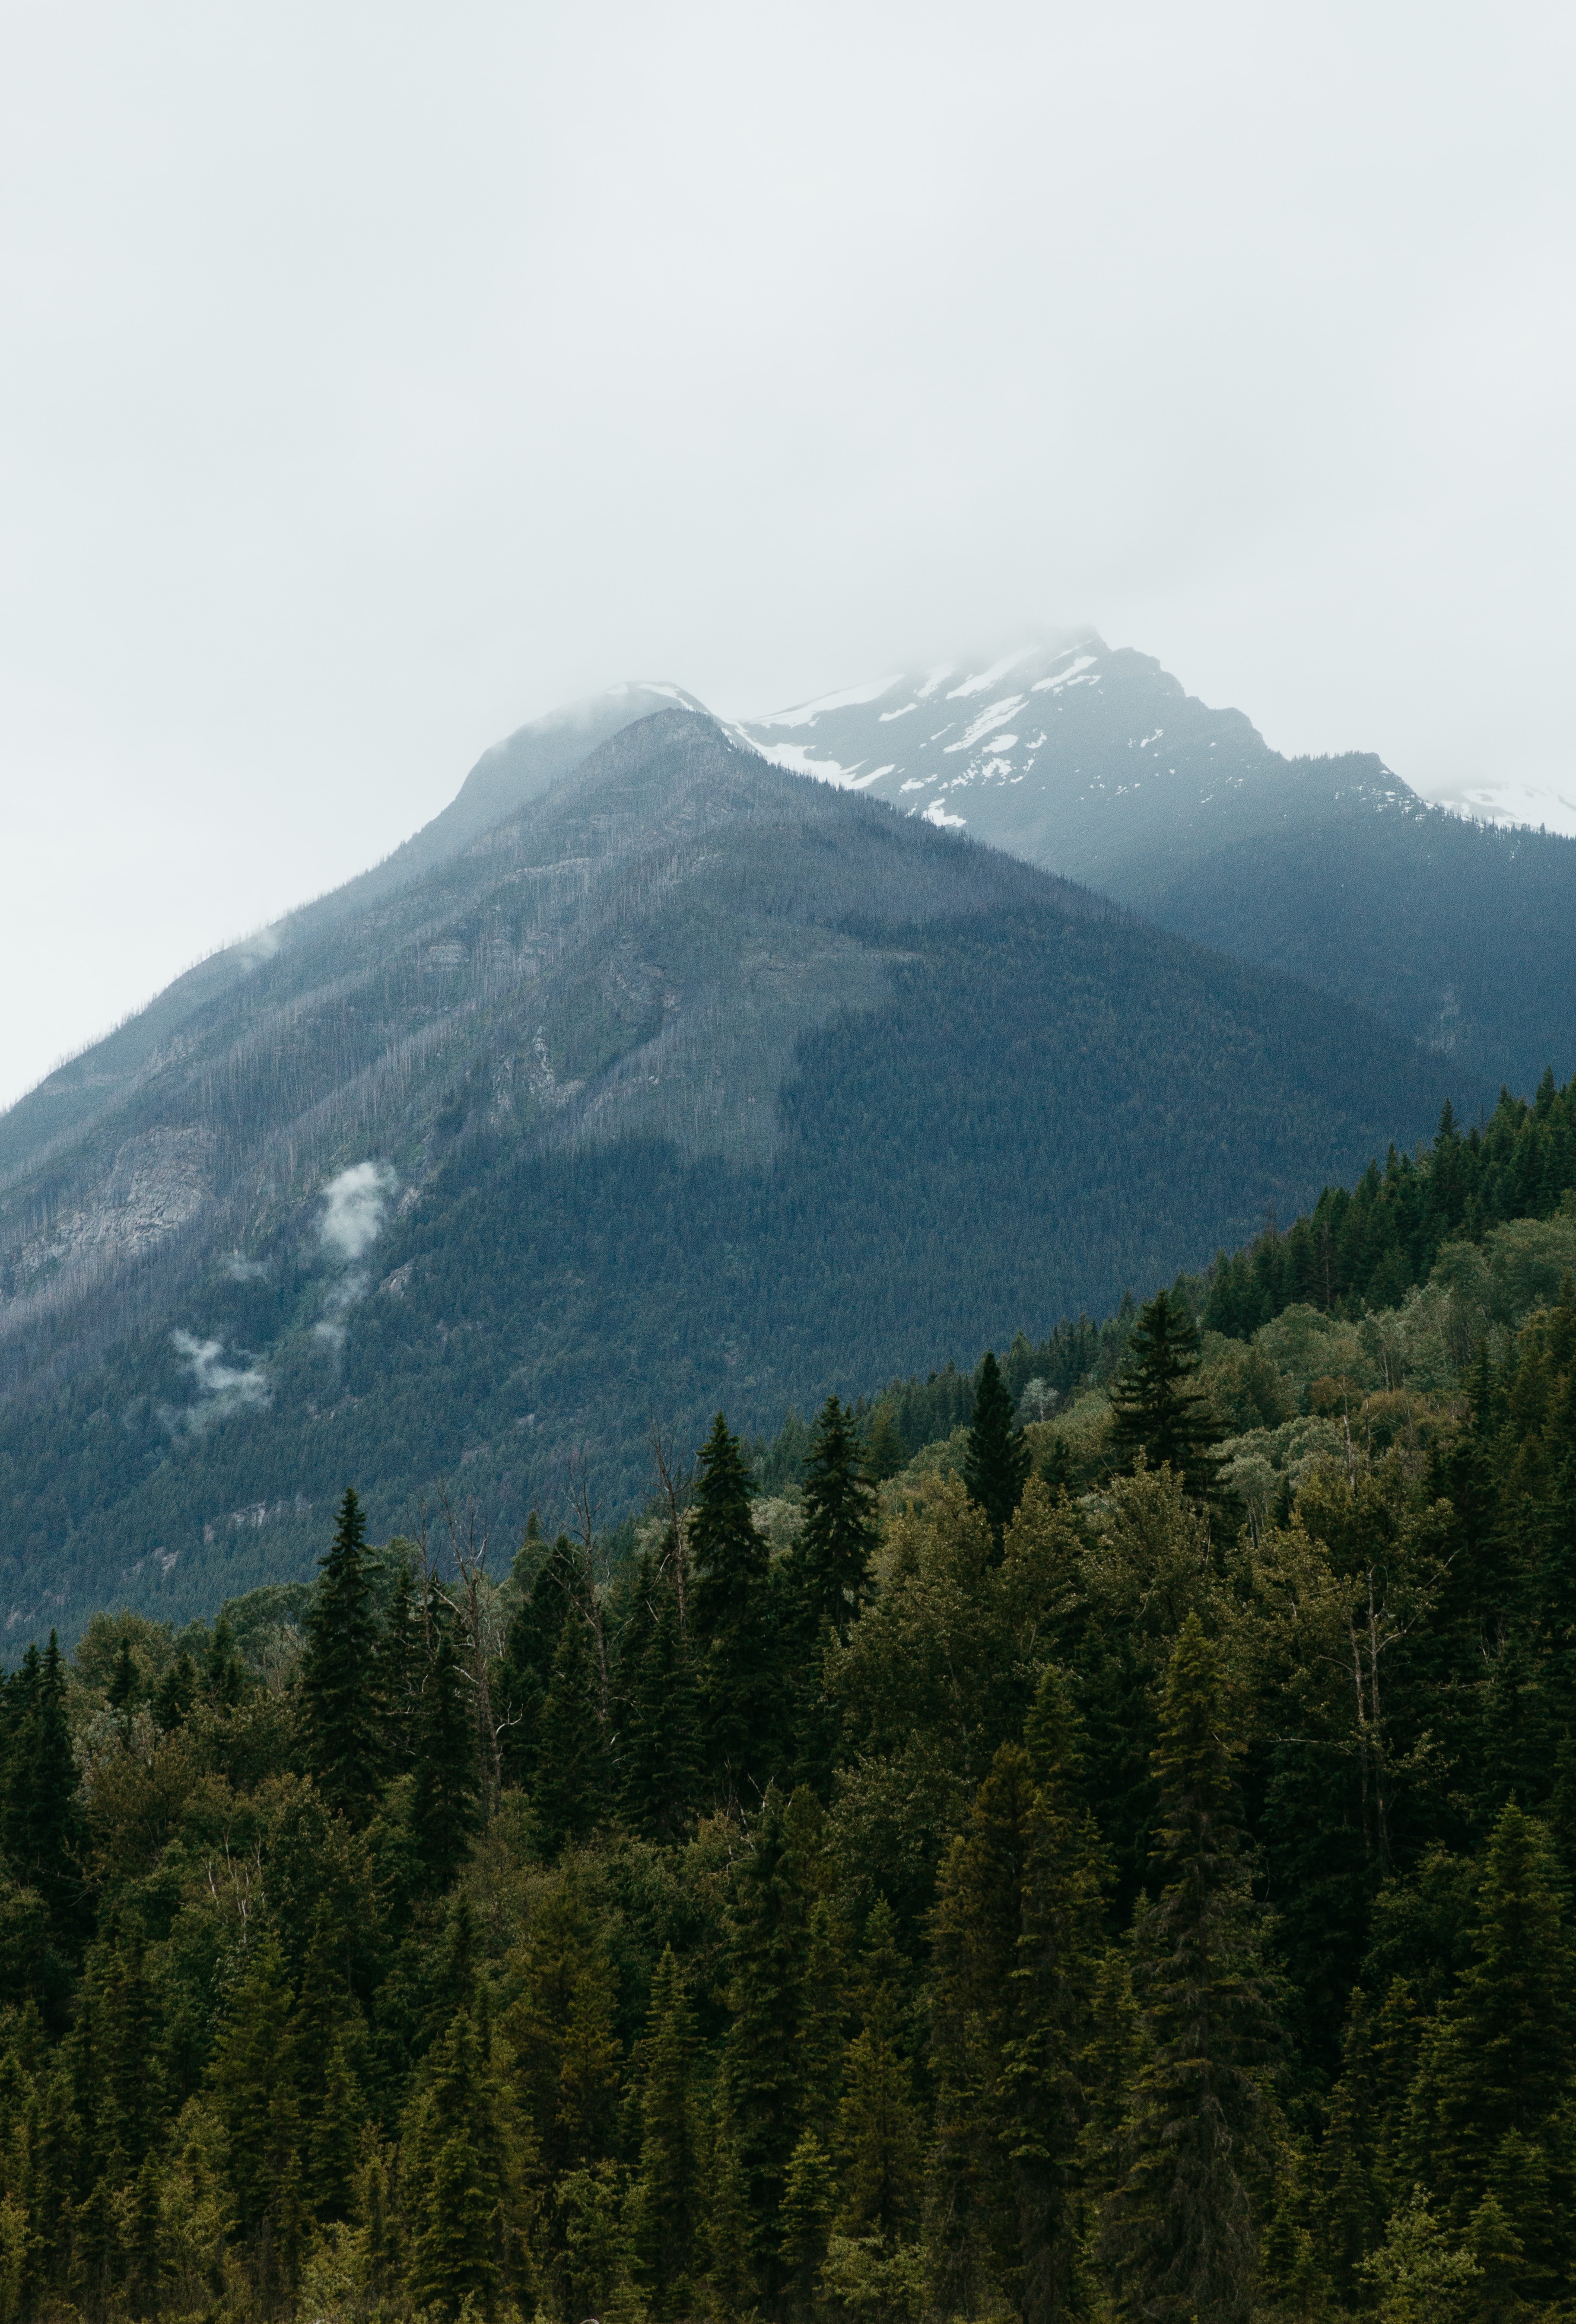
<point>687,1082</point>
<point>1118,1866</point>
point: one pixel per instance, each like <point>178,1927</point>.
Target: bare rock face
<point>158,1182</point>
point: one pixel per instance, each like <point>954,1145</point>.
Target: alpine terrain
<point>1096,764</point>
<point>649,1077</point>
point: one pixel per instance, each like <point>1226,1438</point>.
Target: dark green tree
<point>1156,1409</point>
<point>734,1617</point>
<point>669,2190</point>
<point>41,1831</point>
<point>176,1696</point>
<point>551,1584</point>
<point>1180,2229</point>
<point>1493,2092</point>
<point>444,1802</point>
<point>657,1744</point>
<point>996,1459</point>
<point>570,1796</point>
<point>829,1565</point>
<point>341,1728</point>
<point>253,2084</point>
<point>224,1678</point>
<point>763,2064</point>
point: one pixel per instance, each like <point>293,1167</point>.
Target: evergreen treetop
<point>339,1677</point>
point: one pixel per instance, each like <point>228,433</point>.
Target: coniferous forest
<point>1092,1840</point>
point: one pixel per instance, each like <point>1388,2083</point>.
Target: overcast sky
<point>373,377</point>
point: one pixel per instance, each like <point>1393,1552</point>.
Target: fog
<point>377,376</point>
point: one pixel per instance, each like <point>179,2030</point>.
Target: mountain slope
<point>88,1086</point>
<point>686,1082</point>
<point>1097,765</point>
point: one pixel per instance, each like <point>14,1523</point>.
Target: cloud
<point>354,1204</point>
<point>221,1388</point>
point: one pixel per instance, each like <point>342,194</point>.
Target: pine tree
<point>829,1566</point>
<point>1493,2088</point>
<point>41,1831</point>
<point>177,1694</point>
<point>809,2198</point>
<point>563,2031</point>
<point>455,2175</point>
<point>878,2144</point>
<point>1179,2231</point>
<point>343,1746</point>
<point>656,1774</point>
<point>551,1587</point>
<point>1016,1951</point>
<point>763,2064</point>
<point>1156,1409</point>
<point>734,1624</point>
<point>254,2081</point>
<point>402,1668</point>
<point>570,1796</point>
<point>670,2192</point>
<point>443,1808</point>
<point>996,1459</point>
<point>224,1678</point>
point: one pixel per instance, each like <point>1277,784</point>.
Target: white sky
<point>373,376</point>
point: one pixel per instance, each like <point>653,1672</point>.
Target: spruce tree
<point>670,2192</point>
<point>254,2081</point>
<point>733,1616</point>
<point>443,1808</point>
<point>878,2144</point>
<point>552,1586</point>
<point>41,1831</point>
<point>829,1565</point>
<point>1156,1409</point>
<point>223,1679</point>
<point>1180,2232</point>
<point>1493,2091</point>
<point>1017,1949</point>
<point>342,1736</point>
<point>456,2180</point>
<point>996,1459</point>
<point>176,1696</point>
<point>570,1795</point>
<point>657,1756</point>
<point>763,2063</point>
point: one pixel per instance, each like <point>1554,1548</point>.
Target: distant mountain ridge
<point>684,1082</point>
<point>1095,763</point>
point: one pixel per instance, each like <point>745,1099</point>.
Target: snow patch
<point>805,713</point>
<point>988,720</point>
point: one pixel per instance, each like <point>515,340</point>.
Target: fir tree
<point>809,2198</point>
<point>253,2082</point>
<point>443,1808</point>
<point>763,2067</point>
<point>656,1779</point>
<point>551,1588</point>
<point>1179,2231</point>
<point>733,1619</point>
<point>1156,1409</point>
<point>831,1558</point>
<point>996,1459</point>
<point>1493,2088</point>
<point>41,1814</point>
<point>570,1796</point>
<point>177,1694</point>
<point>338,1688</point>
<point>878,2144</point>
<point>402,1668</point>
<point>224,1678</point>
<point>670,2192</point>
<point>455,2170</point>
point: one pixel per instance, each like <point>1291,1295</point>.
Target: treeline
<point>1368,1245</point>
<point>975,1902</point>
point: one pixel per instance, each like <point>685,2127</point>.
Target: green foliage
<point>1178,1920</point>
<point>996,1459</point>
<point>339,1679</point>
<point>1156,1408</point>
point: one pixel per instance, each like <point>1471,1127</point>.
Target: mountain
<point>1096,764</point>
<point>682,1082</point>
<point>88,1087</point>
